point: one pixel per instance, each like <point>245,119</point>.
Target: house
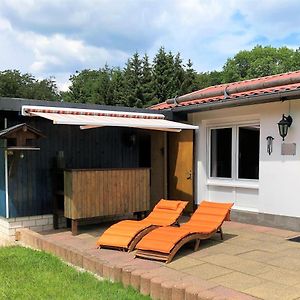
<point>79,161</point>
<point>240,154</point>
<point>69,160</point>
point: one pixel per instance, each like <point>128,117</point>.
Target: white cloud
<point>59,37</point>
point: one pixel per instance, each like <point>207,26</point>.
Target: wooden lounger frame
<point>137,238</point>
<point>168,257</point>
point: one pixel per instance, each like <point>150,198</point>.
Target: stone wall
<point>40,223</point>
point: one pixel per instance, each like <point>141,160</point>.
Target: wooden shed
<point>93,161</point>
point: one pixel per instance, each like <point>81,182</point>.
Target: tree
<point>260,61</point>
<point>178,76</point>
<point>117,87</point>
<point>133,81</point>
<point>147,81</point>
<point>163,75</point>
<point>17,85</point>
<point>82,88</point>
<point>189,83</point>
<point>208,79</point>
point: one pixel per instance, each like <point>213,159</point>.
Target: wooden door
<point>180,167</point>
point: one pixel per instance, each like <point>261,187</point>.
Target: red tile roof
<point>253,87</point>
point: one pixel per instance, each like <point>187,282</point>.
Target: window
<point>248,154</point>
<point>234,152</point>
<point>221,150</point>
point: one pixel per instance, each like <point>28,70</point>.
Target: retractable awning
<point>86,118</point>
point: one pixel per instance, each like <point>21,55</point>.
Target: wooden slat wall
<point>96,193</point>
<point>31,178</point>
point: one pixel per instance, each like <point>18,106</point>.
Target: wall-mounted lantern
<point>284,124</point>
<point>270,144</point>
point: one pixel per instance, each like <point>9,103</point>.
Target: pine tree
<point>117,87</point>
<point>133,81</point>
<point>103,91</point>
<point>160,75</point>
<point>189,83</point>
<point>147,81</point>
<point>178,75</point>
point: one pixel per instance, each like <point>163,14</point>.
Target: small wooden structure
<point>20,137</point>
<point>91,193</point>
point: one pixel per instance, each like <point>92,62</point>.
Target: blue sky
<point>56,38</point>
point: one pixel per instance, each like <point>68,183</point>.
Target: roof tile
<point>220,88</point>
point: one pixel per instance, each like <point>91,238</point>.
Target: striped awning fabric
<point>100,118</point>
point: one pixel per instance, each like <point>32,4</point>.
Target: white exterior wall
<point>278,189</point>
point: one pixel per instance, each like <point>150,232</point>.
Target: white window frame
<point>234,180</point>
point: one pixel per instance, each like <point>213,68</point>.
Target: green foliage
<point>29,274</point>
<point>139,84</point>
<point>142,83</point>
<point>260,61</point>
<point>16,85</point>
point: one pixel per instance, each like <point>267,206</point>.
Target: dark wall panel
<point>31,178</point>
<point>2,181</point>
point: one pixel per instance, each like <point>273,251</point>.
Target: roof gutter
<point>241,101</point>
<point>233,88</point>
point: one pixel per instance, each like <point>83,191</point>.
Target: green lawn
<point>30,274</point>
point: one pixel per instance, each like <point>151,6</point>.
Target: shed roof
<point>24,127</point>
<point>246,89</point>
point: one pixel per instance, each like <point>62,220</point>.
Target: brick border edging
<point>147,282</point>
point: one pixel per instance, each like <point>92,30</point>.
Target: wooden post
<point>74,227</point>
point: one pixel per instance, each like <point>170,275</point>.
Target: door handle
<point>189,175</point>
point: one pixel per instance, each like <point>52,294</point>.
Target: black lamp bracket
<point>289,120</point>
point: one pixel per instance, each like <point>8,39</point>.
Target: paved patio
<point>252,261</point>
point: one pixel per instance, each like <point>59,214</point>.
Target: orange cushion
<point>167,204</point>
<point>166,212</point>
<point>206,220</point>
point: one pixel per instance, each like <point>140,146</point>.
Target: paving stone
<point>278,275</point>
<point>107,270</point>
<point>260,255</point>
<point>288,263</point>
<point>207,295</point>
<point>191,293</point>
<point>178,290</point>
<point>145,283</point>
<point>283,233</point>
<point>135,278</point>
<point>183,263</point>
<point>238,264</point>
<point>207,271</point>
<point>126,275</point>
<point>202,284</point>
<point>274,291</point>
<point>230,294</point>
<point>155,287</point>
<point>292,252</point>
<point>166,290</point>
<point>225,248</point>
<point>238,281</point>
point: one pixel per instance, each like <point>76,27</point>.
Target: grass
<point>30,274</point>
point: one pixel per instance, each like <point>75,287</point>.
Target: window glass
<point>248,152</point>
<point>221,152</point>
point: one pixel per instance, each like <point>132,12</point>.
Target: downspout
<point>6,173</point>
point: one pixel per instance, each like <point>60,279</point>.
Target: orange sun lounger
<point>163,243</point>
<point>126,234</point>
